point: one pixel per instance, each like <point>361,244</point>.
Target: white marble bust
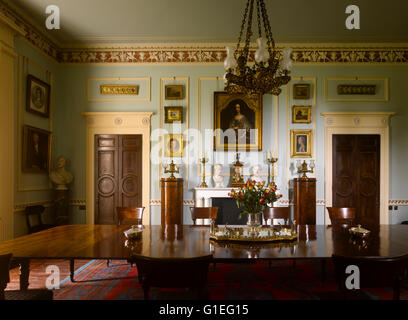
<point>256,173</point>
<point>61,177</point>
<point>217,177</point>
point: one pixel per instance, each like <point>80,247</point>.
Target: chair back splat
<point>130,215</point>
<point>173,273</point>
<point>203,213</point>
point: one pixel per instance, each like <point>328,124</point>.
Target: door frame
<point>121,123</point>
<point>357,123</point>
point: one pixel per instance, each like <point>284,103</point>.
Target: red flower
<point>241,195</point>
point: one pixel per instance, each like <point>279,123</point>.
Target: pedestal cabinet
<point>305,201</point>
<point>171,201</point>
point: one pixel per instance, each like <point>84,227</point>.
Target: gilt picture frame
<point>173,92</point>
<point>301,91</point>
<point>237,122</point>
<point>301,114</point>
<point>36,150</point>
<point>301,143</point>
<point>173,145</point>
<point>37,96</point>
<point>173,114</point>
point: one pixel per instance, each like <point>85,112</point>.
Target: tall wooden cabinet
<point>171,201</point>
<point>305,201</point>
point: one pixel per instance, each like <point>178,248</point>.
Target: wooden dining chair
<point>34,219</point>
<point>343,216</point>
<point>276,213</point>
<point>271,213</point>
<point>190,273</point>
<point>32,294</point>
<point>375,272</point>
<point>203,213</point>
<point>129,216</point>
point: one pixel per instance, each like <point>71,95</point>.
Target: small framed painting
<point>172,114</point>
<point>173,146</point>
<point>301,91</point>
<point>38,96</point>
<point>301,143</point>
<point>173,92</point>
<point>36,150</point>
<point>301,114</point>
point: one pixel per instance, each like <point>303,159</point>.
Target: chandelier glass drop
<point>270,71</point>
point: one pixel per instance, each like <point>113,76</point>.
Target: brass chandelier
<point>269,72</point>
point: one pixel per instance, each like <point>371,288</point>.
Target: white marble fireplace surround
<point>203,197</point>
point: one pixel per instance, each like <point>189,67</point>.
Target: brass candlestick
<point>302,168</point>
<point>271,160</point>
<point>203,184</point>
<point>172,170</point>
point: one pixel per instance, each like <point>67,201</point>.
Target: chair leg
<point>146,291</point>
<point>107,263</point>
<point>214,266</point>
<point>72,269</point>
<point>396,291</point>
<point>323,270</point>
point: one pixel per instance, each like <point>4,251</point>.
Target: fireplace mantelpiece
<point>203,196</point>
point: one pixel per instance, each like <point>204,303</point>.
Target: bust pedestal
<point>61,203</point>
<point>305,201</point>
<point>171,201</point>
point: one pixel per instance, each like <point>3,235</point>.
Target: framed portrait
<point>38,96</point>
<point>301,143</point>
<point>301,91</point>
<point>237,122</point>
<point>173,146</point>
<point>173,92</point>
<point>172,114</point>
<point>301,114</point>
<point>36,150</point>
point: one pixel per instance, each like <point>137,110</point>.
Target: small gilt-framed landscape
<point>301,114</point>
<point>301,143</point>
<point>173,145</point>
<point>301,91</point>
<point>173,114</point>
<point>173,92</point>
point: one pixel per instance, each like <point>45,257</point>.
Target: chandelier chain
<point>249,31</point>
<point>259,19</point>
<point>243,25</point>
<point>268,30</point>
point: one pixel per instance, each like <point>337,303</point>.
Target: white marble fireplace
<point>203,196</point>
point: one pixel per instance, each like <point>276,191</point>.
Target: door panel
<point>356,175</point>
<point>118,175</point>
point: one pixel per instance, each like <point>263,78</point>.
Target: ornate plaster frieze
<point>201,53</point>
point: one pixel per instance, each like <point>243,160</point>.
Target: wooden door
<point>356,175</point>
<point>118,175</point>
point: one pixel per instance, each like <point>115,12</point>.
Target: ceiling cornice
<point>190,53</point>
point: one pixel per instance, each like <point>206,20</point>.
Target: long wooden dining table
<point>74,242</point>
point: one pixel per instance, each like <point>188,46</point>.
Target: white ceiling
<point>216,20</point>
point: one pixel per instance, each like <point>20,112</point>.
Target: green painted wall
<point>69,100</point>
<point>73,100</point>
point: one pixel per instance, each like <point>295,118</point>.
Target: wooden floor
<point>38,275</point>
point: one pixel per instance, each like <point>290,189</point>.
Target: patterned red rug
<point>96,281</point>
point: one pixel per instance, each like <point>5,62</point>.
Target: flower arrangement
<point>254,196</point>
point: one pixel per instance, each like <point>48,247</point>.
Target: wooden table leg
<point>24,273</point>
<point>72,269</point>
